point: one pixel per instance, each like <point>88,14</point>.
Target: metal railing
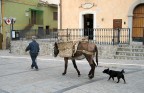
<point>108,36</point>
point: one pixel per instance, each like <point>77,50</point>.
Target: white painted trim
<point>132,7</point>
<point>81,19</point>
<point>58,16</point>
<point>130,26</point>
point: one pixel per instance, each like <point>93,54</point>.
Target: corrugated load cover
<point>65,49</point>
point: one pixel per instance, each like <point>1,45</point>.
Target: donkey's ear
<point>55,43</point>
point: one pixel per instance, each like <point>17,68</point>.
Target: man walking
<point>33,49</point>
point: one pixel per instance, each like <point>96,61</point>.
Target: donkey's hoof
<point>91,76</point>
<point>63,73</point>
<point>79,75</point>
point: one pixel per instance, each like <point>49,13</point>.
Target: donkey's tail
<point>96,50</point>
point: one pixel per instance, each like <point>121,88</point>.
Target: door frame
<point>139,33</point>
<point>1,40</point>
<point>88,26</point>
<point>81,20</point>
<point>130,15</point>
<point>117,25</point>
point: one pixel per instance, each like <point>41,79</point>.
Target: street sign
<point>8,21</point>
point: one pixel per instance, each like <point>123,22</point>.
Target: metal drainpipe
<point>2,15</point>
<point>60,14</point>
<point>2,26</point>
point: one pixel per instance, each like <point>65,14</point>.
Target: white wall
<point>52,1</point>
<point>0,18</point>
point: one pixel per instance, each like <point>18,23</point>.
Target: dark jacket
<point>33,47</point>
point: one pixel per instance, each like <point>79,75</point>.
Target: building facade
<point>103,14</point>
<point>27,14</point>
<point>1,35</point>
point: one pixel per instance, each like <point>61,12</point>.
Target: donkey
<point>85,49</point>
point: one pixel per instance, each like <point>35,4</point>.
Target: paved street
<point>17,77</point>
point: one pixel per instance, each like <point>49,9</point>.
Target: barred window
<point>54,15</point>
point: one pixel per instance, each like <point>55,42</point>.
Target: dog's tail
<point>123,71</point>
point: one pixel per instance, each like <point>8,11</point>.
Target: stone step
<point>128,57</point>
<point>141,54</point>
<point>131,46</point>
<point>133,52</point>
<point>131,49</point>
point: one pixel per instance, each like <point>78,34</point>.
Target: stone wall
<point>46,48</point>
<point>18,47</point>
<point>107,51</point>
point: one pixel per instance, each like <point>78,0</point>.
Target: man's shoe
<point>31,67</point>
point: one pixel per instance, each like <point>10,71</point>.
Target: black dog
<point>112,73</point>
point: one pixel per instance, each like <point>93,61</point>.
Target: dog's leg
<point>109,78</point>
<point>124,79</point>
<point>113,78</point>
<point>118,79</point>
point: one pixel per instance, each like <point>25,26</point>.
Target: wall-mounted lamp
<point>102,19</point>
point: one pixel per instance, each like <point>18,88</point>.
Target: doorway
<point>40,32</point>
<point>138,23</point>
<point>88,25</point>
<point>117,25</point>
<point>47,30</point>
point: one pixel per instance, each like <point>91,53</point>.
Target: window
<point>55,29</point>
<point>54,15</point>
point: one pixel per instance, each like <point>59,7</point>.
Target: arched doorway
<point>138,23</point>
<point>88,25</point>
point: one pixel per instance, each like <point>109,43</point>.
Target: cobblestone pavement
<point>17,77</point>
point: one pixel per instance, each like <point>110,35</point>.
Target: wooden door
<point>117,25</point>
<point>138,23</point>
<point>1,40</point>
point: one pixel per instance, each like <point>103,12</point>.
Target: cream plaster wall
<point>103,9</point>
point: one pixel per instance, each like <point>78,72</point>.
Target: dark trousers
<point>33,58</point>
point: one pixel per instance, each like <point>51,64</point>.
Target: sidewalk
<point>112,62</point>
<point>17,77</point>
